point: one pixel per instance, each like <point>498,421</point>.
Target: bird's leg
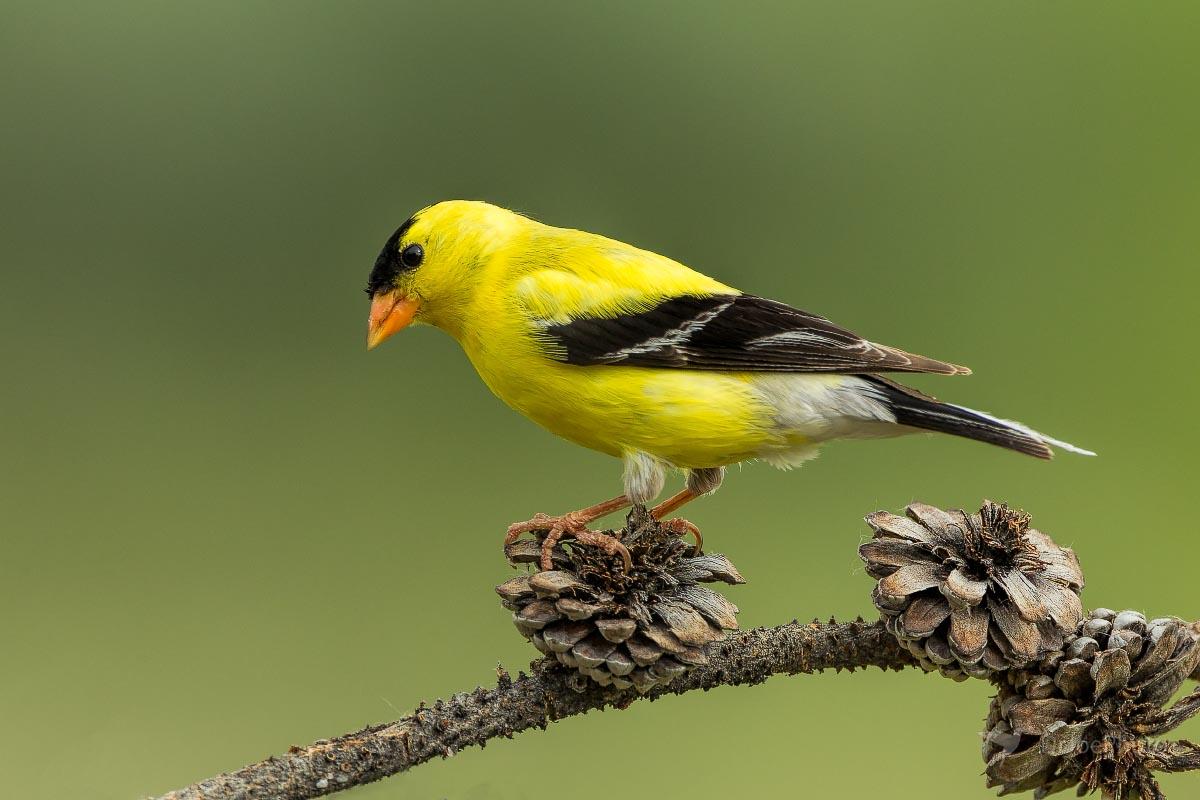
<point>700,481</point>
<point>571,519</point>
<point>673,503</point>
<point>679,525</point>
<point>575,525</point>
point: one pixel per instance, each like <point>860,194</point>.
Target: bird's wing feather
<point>728,332</point>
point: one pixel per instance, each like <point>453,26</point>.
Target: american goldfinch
<point>630,353</point>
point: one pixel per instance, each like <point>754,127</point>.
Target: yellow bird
<point>630,353</point>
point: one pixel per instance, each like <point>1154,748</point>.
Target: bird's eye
<point>412,256</point>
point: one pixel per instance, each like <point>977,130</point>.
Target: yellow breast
<point>690,419</point>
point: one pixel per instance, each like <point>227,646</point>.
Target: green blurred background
<point>227,529</point>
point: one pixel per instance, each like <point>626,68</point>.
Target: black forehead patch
<point>388,264</point>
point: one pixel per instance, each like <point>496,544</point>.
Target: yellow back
<point>483,260</point>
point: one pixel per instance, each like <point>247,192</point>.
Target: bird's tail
<point>917,410</point>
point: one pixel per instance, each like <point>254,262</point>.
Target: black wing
<point>739,333</point>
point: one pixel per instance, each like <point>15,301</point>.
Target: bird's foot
<point>572,525</point>
<point>682,527</point>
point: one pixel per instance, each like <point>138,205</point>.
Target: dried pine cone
<point>1081,716</point>
<point>639,629</point>
<point>972,594</point>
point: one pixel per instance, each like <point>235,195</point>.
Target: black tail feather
<point>917,410</point>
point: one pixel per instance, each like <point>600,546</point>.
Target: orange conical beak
<point>390,312</point>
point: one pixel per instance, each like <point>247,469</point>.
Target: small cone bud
<point>642,629</point>
<point>1080,718</point>
<point>972,594</point>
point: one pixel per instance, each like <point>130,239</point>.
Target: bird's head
<point>428,268</point>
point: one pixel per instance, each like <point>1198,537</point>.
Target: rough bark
<point>534,701</point>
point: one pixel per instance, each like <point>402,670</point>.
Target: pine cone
<point>972,594</point>
<point>1082,716</point>
<point>640,629</point>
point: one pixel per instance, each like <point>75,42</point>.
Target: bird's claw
<point>569,525</point>
<point>540,522</point>
<point>682,527</point>
<point>602,541</point>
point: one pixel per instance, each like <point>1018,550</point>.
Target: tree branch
<point>533,701</point>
